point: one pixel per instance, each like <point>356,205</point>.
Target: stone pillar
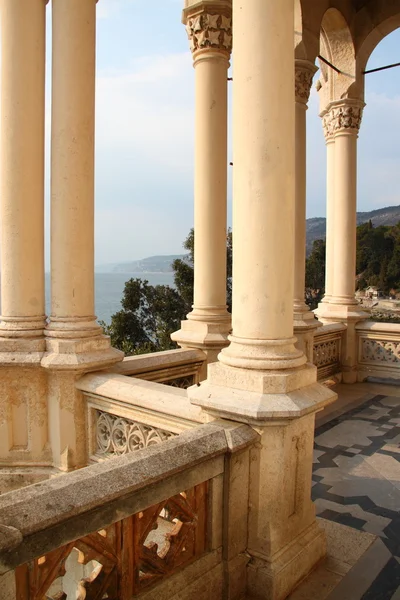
<point>342,121</point>
<point>75,343</point>
<point>261,378</point>
<point>23,417</point>
<point>209,28</point>
<point>304,320</point>
<point>330,211</point>
<point>22,171</point>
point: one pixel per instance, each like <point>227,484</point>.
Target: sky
<point>145,127</point>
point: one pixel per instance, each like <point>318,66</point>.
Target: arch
<point>373,23</point>
<point>337,46</point>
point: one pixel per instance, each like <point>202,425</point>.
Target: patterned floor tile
<point>356,480</point>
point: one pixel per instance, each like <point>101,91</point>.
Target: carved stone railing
<point>327,350</point>
<point>378,350</point>
<point>124,527</point>
<point>117,435</point>
<point>177,368</point>
<point>125,414</point>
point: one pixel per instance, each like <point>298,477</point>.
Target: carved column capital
<point>304,73</point>
<point>209,28</point>
<point>342,116</point>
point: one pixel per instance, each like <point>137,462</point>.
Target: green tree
<point>184,271</point>
<point>150,313</point>
<point>315,274</point>
<point>148,317</point>
<point>375,248</point>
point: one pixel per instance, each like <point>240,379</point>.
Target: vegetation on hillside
<point>150,313</point>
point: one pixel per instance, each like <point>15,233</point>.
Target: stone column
<point>75,343</point>
<point>22,171</point>
<point>23,417</point>
<point>209,28</point>
<point>346,116</point>
<point>342,121</point>
<point>330,211</point>
<point>261,378</point>
<point>304,320</point>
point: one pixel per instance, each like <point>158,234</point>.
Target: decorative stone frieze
<point>343,116</point>
<point>383,351</point>
<point>116,435</point>
<point>327,353</point>
<point>304,73</point>
<point>210,30</point>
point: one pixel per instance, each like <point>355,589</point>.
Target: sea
<point>109,288</point>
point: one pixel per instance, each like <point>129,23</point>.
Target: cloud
<point>379,152</point>
<point>150,108</point>
<point>109,8</point>
<point>144,157</point>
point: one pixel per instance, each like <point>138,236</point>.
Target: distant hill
<point>316,227</point>
<point>152,264</point>
<point>316,230</point>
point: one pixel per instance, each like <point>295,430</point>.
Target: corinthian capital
<point>304,73</point>
<point>209,27</point>
<point>342,116</point>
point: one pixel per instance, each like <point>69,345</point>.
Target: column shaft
<point>304,321</point>
<point>330,218</point>
<point>300,209</point>
<point>210,195</point>
<point>72,164</point>
<point>263,188</point>
<point>22,167</point>
<point>263,207</point>
<point>345,218</point>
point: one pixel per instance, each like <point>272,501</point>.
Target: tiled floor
<point>356,482</point>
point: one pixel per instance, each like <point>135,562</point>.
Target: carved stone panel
<point>124,558</point>
<point>327,357</point>
<point>381,351</point>
<point>117,435</point>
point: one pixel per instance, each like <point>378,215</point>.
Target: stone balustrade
<point>126,414</point>
<point>378,350</point>
<point>161,522</point>
<point>177,368</point>
<point>327,350</point>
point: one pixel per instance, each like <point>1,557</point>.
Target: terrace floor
<point>356,489</point>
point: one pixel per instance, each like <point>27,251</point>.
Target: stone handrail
<point>43,517</point>
<point>378,350</point>
<point>178,368</point>
<point>327,350</point>
<point>125,413</point>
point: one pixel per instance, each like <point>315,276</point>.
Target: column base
<point>275,578</point>
<point>255,397</point>
<point>304,317</point>
<point>210,337</point>
<point>81,355</point>
<point>20,351</point>
<point>22,327</point>
<point>334,312</point>
<point>262,355</point>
